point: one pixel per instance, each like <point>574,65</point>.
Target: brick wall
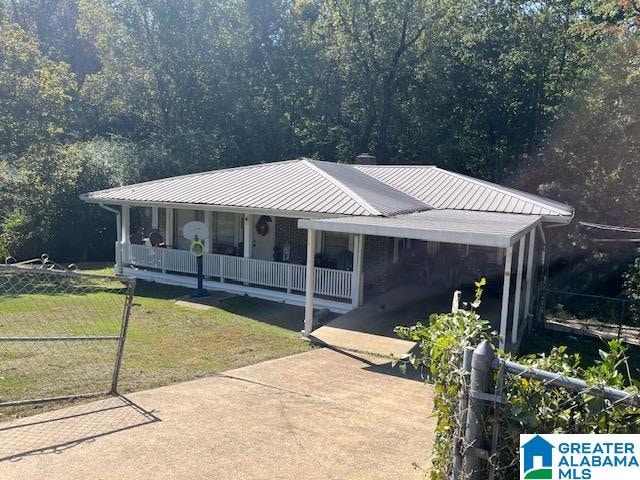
<point>287,230</point>
<point>378,253</point>
<point>378,257</point>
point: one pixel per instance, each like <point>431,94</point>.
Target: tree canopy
<point>542,95</point>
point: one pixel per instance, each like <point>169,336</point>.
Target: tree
<point>34,92</point>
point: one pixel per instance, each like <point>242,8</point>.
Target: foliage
<point>632,288</point>
<point>532,406</point>
<point>442,343</point>
<point>485,88</point>
<point>34,92</point>
<point>40,198</point>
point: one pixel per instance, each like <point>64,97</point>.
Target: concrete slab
<point>317,415</point>
<point>204,303</point>
<point>369,328</point>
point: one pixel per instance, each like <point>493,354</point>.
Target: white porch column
<point>529,279</point>
<point>248,235</point>
<point>504,314</point>
<point>208,221</point>
<point>154,218</point>
<point>518,297</point>
<point>168,234</point>
<point>124,235</point>
<point>356,274</point>
<point>311,281</point>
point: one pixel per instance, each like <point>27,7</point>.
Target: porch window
<point>224,232</point>
<point>181,218</point>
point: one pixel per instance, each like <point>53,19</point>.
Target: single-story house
<point>330,235</point>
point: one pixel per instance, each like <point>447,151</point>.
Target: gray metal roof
<point>315,187</point>
<point>301,185</point>
<point>443,189</point>
<point>450,226</point>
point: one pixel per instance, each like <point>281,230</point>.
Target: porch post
<point>356,274</point>
<point>123,239</point>
<point>505,296</point>
<point>154,218</point>
<point>248,235</point>
<point>529,281</point>
<point>518,296</point>
<point>124,235</point>
<point>311,281</point>
<point>168,234</point>
<point>208,220</point>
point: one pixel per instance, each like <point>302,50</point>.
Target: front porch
<point>270,280</point>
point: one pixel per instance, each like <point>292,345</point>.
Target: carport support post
<point>518,296</point>
<point>356,274</point>
<point>504,314</point>
<point>311,281</point>
<point>529,281</point>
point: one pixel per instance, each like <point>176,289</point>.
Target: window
<point>335,244</point>
<point>182,217</point>
<point>224,231</point>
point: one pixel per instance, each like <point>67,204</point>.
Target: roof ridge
<point>385,165</point>
<point>363,203</point>
<point>501,188</point>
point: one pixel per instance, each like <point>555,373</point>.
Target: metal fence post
<point>463,403</point>
<point>123,336</point>
<point>480,383</point>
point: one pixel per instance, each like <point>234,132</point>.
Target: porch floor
<point>369,328</point>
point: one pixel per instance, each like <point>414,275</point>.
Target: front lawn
<point>166,343</point>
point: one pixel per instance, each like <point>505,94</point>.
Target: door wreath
<point>262,227</point>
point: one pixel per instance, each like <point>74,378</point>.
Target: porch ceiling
<point>449,226</point>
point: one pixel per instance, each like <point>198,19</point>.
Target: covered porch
<point>260,255</point>
<point>429,256</point>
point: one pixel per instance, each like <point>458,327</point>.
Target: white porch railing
<point>287,276</point>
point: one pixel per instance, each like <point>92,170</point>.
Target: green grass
<point>166,343</point>
<point>543,341</point>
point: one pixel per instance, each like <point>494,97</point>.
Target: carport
<point>509,234</point>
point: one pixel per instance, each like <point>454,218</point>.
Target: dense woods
<point>541,95</point>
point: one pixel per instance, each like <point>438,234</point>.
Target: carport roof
<point>450,226</point>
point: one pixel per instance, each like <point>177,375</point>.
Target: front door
<point>264,238</point>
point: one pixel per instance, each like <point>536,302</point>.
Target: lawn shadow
<point>289,317</point>
<point>59,430</point>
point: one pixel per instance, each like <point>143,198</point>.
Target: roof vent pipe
<point>366,159</point>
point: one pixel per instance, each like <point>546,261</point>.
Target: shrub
<point>532,406</point>
<point>632,289</point>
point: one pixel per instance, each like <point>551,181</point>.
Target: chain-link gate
<point>500,399</point>
<point>62,333</point>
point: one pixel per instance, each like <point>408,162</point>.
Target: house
<point>329,235</point>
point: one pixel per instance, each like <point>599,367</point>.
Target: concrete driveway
<point>322,414</point>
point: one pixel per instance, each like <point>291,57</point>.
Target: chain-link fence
<point>501,399</point>
<point>62,334</point>
<point>592,315</point>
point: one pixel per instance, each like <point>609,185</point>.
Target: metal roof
<point>301,185</point>
<point>450,226</point>
<point>448,190</point>
<point>324,188</point>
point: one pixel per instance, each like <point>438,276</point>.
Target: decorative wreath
<point>262,227</point>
